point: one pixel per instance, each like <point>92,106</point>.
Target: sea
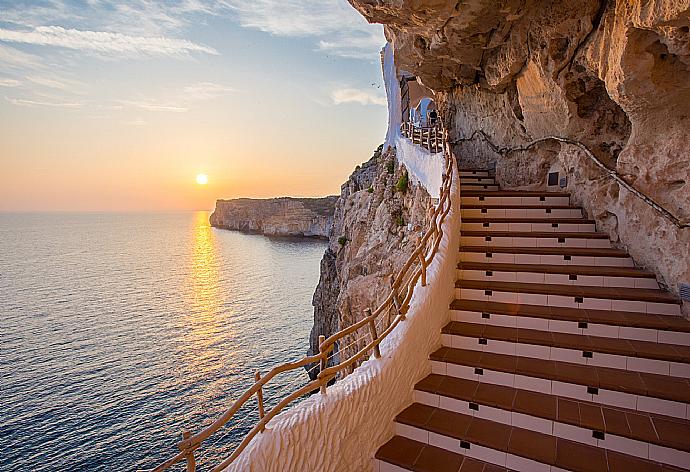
<point>120,330</point>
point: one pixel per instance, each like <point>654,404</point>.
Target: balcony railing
<point>428,137</point>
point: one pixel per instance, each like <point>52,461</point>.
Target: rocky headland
<point>284,216</point>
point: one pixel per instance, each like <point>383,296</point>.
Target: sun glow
<point>201,179</point>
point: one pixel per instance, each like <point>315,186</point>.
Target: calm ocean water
<point>119,330</point>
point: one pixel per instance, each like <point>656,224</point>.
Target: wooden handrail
<point>402,290</point>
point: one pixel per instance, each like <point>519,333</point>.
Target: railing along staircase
<point>372,326</point>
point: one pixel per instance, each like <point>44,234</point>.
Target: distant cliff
<point>285,216</point>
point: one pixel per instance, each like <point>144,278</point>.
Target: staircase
<point>560,353</point>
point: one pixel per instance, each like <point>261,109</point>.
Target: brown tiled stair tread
<point>528,444</point>
<point>475,177</point>
<point>548,251</point>
<point>604,271</point>
<point>647,427</point>
<point>420,457</point>
<point>474,169</point>
<point>528,220</point>
<point>577,315</point>
<point>584,291</point>
<point>637,383</point>
<point>579,342</point>
<point>474,206</point>
<point>533,234</point>
<point>511,193</point>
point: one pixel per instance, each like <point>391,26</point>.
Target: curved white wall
<point>341,430</point>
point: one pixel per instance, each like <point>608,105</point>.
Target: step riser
<point>560,354</point>
<point>526,227</point>
<point>480,180</point>
<point>572,327</point>
<point>558,279</point>
<point>504,241</point>
<point>489,200</point>
<point>564,389</point>
<point>566,301</point>
<point>521,213</point>
<point>549,259</point>
<point>554,428</point>
<point>478,173</point>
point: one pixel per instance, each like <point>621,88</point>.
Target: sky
<point>118,105</point>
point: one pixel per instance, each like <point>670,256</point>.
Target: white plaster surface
<point>342,430</point>
<point>422,166</point>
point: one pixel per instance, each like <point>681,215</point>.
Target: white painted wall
<point>422,166</point>
<point>343,429</point>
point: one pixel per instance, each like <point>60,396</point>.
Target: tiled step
<point>529,224</point>
<point>478,186</point>
<point>401,453</point>
<point>652,393</point>
<point>615,428</point>
<point>546,255</point>
<point>534,239</point>
<point>511,446</point>
<point>475,196</point>
<point>624,354</point>
<point>477,179</point>
<point>571,296</point>
<point>474,173</point>
<point>603,276</point>
<point>604,323</point>
<point>520,212</point>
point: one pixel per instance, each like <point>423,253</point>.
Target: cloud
<point>104,43</point>
<point>135,122</point>
<point>9,83</point>
<point>150,106</point>
<point>11,58</point>
<point>22,102</point>
<point>340,29</point>
<point>205,91</point>
<point>47,82</point>
<point>354,95</point>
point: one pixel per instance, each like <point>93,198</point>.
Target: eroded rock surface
<point>285,216</point>
<point>373,233</point>
<point>612,75</point>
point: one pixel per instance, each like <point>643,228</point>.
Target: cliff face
<point>374,231</point>
<point>613,77</point>
<point>286,216</point>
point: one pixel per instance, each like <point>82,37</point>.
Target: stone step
<point>474,196</point>
<point>603,276</point>
<point>528,224</point>
<point>474,173</point>
<point>519,212</point>
<point>571,296</point>
<point>621,429</point>
<point>546,255</point>
<point>510,446</point>
<point>606,323</point>
<point>401,453</point>
<point>640,391</point>
<point>477,178</point>
<point>534,239</point>
<point>624,354</point>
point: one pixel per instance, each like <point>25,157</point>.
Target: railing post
<point>374,335</point>
<point>191,462</point>
<point>422,260</point>
<point>324,360</point>
<point>260,398</point>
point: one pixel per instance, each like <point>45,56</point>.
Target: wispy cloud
<point>205,91</point>
<point>23,102</point>
<point>338,27</point>
<point>9,83</point>
<point>13,59</point>
<point>48,82</point>
<point>354,95</point>
<point>104,43</point>
<point>150,105</point>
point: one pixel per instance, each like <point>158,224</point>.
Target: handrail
<point>611,173</point>
<point>398,299</point>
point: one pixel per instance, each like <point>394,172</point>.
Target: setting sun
<point>201,179</point>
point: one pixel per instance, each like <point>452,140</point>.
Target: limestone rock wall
<point>374,231</point>
<point>612,75</point>
<point>286,216</point>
